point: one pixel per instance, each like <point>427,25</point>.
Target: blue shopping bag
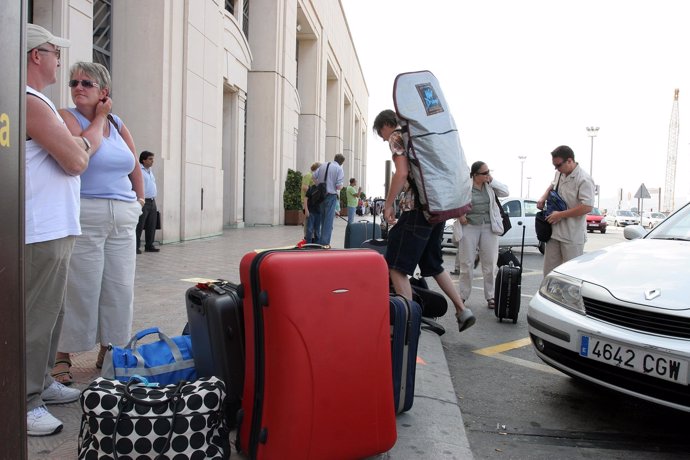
<point>166,361</point>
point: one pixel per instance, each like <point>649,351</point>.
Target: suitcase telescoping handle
<point>522,247</point>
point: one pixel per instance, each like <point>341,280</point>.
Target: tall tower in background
<point>671,155</point>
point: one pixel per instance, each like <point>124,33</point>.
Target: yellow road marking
<point>496,352</point>
<point>489,351</point>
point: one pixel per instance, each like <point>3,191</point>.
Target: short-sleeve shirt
<point>352,201</point>
<point>306,180</point>
<point>407,196</point>
<point>576,188</point>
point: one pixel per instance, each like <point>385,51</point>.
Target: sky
<point>522,77</point>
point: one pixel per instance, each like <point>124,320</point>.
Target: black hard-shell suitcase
<point>357,233</point>
<point>508,288</point>
<point>406,317</point>
<point>216,324</point>
<point>377,243</point>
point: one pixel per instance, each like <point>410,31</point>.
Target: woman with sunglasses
<point>480,229</point>
<point>100,286</point>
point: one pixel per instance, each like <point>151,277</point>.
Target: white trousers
<point>477,238</point>
<point>100,283</point>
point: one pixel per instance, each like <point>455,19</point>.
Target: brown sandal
<point>101,357</point>
<point>61,371</point>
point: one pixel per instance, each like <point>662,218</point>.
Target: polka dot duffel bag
<point>140,420</point>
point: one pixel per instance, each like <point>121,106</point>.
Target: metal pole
<point>522,159</point>
<point>591,157</point>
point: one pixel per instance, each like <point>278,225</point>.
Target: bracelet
<point>87,144</point>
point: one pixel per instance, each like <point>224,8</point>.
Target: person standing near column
<point>332,174</point>
<point>353,194</point>
<point>54,161</point>
<point>149,213</point>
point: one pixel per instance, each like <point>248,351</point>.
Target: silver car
<point>620,317</point>
<point>622,218</point>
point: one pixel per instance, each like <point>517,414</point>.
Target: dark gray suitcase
<point>406,318</point>
<point>216,324</point>
<point>357,233</point>
<point>508,288</point>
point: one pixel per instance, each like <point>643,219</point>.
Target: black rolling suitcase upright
<point>216,324</point>
<point>507,290</point>
<point>405,317</point>
<point>357,233</point>
<point>377,243</point>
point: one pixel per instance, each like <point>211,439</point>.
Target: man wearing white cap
<point>54,161</point>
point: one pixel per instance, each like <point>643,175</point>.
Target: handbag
<point>317,193</point>
<point>542,227</point>
<point>554,202</point>
<point>138,420</point>
<point>507,225</point>
<point>166,361</point>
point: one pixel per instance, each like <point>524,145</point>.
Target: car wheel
<point>650,225</point>
<point>590,231</point>
<point>616,224</point>
<point>603,230</point>
<point>541,247</point>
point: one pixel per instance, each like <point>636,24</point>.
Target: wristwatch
<point>87,144</point>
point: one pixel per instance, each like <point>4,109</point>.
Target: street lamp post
<point>529,178</point>
<point>522,159</point>
<point>592,133</point>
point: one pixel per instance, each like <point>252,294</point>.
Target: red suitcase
<point>318,362</point>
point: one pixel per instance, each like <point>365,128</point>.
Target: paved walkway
<point>433,429</point>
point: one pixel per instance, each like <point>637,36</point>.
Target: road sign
<point>642,192</point>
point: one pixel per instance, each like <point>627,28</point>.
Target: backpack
<point>317,193</point>
<point>438,168</point>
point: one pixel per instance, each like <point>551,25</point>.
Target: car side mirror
<point>633,232</point>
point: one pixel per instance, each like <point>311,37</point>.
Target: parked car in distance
<point>596,221</point>
<point>618,317</point>
<point>621,218</point>
<point>521,212</point>
<point>651,219</point>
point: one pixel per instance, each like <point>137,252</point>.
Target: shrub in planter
<point>292,202</point>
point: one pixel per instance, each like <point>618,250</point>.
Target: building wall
<point>225,114</point>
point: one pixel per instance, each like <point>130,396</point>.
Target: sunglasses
<point>484,173</point>
<point>560,164</point>
<point>84,83</point>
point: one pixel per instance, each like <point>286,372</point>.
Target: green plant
<point>293,186</point>
<point>343,198</point>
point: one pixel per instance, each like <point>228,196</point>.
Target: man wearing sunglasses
<point>569,227</point>
<point>54,161</point>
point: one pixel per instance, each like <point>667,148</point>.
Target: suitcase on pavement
<point>507,289</point>
<point>216,324</point>
<point>505,257</point>
<point>357,233</point>
<point>434,304</point>
<point>377,243</point>
<point>406,317</point>
<point>318,368</point>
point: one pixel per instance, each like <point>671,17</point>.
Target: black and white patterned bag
<point>135,421</point>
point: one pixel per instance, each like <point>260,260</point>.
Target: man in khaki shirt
<point>576,188</point>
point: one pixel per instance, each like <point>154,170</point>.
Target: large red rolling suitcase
<point>318,369</point>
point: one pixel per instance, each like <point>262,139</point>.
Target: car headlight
<point>563,290</point>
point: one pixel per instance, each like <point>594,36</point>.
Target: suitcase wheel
<point>515,321</point>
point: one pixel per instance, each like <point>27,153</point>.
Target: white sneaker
<point>39,422</point>
<point>57,393</point>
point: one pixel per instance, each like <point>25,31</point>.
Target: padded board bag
<point>318,369</point>
<point>137,421</point>
<point>508,288</point>
<point>437,161</point>
<point>216,326</point>
<point>406,318</point>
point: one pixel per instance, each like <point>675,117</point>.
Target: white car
<point>521,212</point>
<point>651,219</point>
<point>622,218</point>
<point>619,317</point>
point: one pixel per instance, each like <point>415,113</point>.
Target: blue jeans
<point>327,217</point>
<point>313,228</point>
<point>351,212</point>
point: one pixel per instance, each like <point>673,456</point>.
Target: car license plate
<point>635,359</point>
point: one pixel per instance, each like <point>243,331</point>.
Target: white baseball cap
<point>37,35</point>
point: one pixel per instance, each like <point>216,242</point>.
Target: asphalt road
<point>516,407</point>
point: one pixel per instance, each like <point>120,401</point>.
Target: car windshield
<point>658,215</point>
<point>626,214</point>
<point>594,212</point>
<point>675,227</point>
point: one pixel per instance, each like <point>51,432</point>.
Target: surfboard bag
<point>437,162</point>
